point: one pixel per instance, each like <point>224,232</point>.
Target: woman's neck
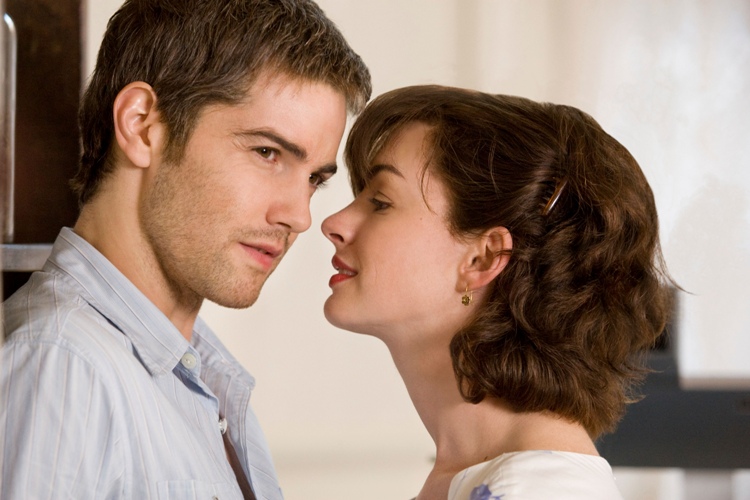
<point>466,434</point>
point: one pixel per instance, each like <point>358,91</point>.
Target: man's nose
<point>291,208</point>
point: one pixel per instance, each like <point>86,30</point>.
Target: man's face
<point>221,219</point>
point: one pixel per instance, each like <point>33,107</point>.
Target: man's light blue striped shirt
<point>102,397</point>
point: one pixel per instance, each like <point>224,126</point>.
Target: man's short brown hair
<point>200,52</point>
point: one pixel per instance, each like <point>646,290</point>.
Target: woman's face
<point>397,262</point>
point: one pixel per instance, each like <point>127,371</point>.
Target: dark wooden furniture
<point>49,76</point>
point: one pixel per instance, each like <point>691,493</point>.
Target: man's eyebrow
<point>329,170</point>
<point>294,149</point>
<point>384,167</point>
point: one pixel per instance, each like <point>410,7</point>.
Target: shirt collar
<point>158,343</point>
<point>216,357</point>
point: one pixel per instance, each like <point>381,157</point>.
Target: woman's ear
<point>135,120</point>
<point>488,255</point>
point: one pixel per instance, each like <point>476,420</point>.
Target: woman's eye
<point>379,205</point>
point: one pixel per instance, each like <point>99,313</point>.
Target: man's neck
<point>114,231</point>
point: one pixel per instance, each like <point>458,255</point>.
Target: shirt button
<point>223,425</point>
<point>189,361</point>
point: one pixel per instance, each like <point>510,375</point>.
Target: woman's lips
<point>344,272</point>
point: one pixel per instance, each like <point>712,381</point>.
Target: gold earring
<point>468,296</point>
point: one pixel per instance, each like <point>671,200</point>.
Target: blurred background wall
<point>670,79</point>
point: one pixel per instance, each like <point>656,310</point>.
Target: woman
<point>507,253</point>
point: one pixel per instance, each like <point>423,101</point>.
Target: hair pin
<point>555,196</point>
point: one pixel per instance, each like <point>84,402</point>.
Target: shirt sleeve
<point>57,436</point>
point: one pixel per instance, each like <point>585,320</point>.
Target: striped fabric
<point>102,397</point>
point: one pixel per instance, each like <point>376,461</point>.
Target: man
<point>206,128</point>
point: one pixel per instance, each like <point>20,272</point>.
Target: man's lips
<point>344,272</point>
<point>263,253</point>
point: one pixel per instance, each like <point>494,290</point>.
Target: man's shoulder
<point>52,311</point>
<point>42,307</point>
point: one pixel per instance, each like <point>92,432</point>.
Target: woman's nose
<point>334,227</point>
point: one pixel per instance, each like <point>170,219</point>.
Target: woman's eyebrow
<point>384,167</point>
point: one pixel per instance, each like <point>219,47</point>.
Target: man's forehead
<point>280,81</point>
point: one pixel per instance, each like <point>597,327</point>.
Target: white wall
<point>670,79</point>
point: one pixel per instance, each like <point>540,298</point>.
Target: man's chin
<point>235,299</point>
<point>233,287</point>
<point>236,302</point>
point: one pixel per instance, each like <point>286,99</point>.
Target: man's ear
<point>137,123</point>
<point>487,257</point>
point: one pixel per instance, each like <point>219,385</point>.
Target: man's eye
<point>266,152</point>
<point>319,180</point>
<point>379,205</point>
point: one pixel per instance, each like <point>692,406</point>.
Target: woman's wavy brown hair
<point>585,292</point>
